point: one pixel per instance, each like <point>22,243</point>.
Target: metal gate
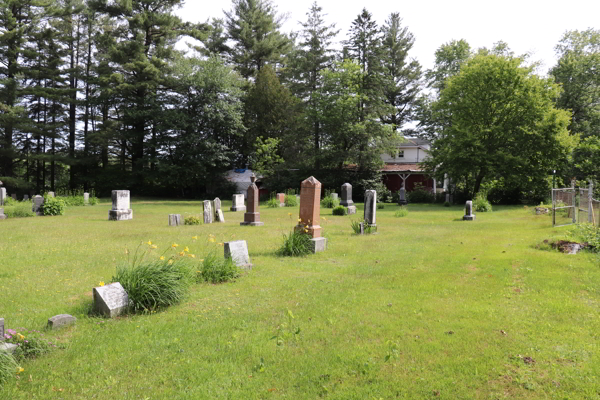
<point>564,207</point>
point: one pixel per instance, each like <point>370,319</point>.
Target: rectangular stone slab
<point>237,203</point>
<point>120,199</point>
<point>111,300</point>
<point>120,215</point>
<point>371,207</point>
<point>2,196</point>
<point>318,244</point>
<point>174,219</point>
<point>238,251</point>
<point>86,198</point>
<point>38,204</point>
<point>208,213</point>
<point>58,321</point>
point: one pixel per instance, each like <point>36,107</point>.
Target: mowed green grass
<point>454,307</point>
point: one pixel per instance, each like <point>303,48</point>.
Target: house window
<point>401,154</point>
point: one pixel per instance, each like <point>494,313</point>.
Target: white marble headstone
<point>111,300</point>
<point>238,251</point>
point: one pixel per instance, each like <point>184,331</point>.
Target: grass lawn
<point>430,307</point>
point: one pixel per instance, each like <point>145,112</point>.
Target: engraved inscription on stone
<point>110,300</point>
<point>238,251</point>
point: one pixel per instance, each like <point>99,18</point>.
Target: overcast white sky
<point>533,26</point>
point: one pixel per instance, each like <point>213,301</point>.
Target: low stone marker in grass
<point>347,198</point>
<point>2,216</point>
<point>120,206</point>
<point>238,251</point>
<point>61,320</point>
<point>469,216</point>
<point>174,219</point>
<point>310,209</point>
<point>371,208</point>
<point>38,204</point>
<point>237,203</point>
<point>25,197</point>
<point>110,300</point>
<point>208,214</point>
<point>86,198</point>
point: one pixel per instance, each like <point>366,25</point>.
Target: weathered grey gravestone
<point>25,197</point>
<point>86,198</point>
<point>38,205</point>
<point>51,194</point>
<point>2,195</point>
<point>219,216</point>
<point>469,216</point>
<point>371,207</point>
<point>120,206</point>
<point>58,321</point>
<point>174,219</point>
<point>2,216</point>
<point>1,329</point>
<point>237,203</point>
<point>208,214</point>
<point>347,198</point>
<point>334,196</point>
<point>402,197</point>
<point>218,212</point>
<point>14,196</point>
<point>447,197</point>
<point>217,203</point>
<point>238,251</point>
<point>111,300</point>
<point>252,214</point>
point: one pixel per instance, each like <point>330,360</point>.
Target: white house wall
<point>411,155</point>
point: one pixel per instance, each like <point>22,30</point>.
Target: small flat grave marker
<point>58,321</point>
<point>111,300</point>
<point>238,251</point>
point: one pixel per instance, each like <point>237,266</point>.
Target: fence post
<point>575,205</point>
<point>590,202</point>
<point>553,209</point>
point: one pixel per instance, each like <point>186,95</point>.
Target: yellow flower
<point>21,337</point>
<point>101,283</point>
<point>186,249</point>
<point>324,219</point>
<point>211,239</point>
<point>220,244</point>
<point>174,245</point>
<point>194,237</point>
<point>170,262</point>
<point>299,219</point>
<point>192,255</point>
<point>20,369</point>
<point>290,214</point>
<point>182,253</point>
<point>162,257</point>
<point>149,243</point>
<point>306,230</point>
<point>154,246</point>
<point>202,260</point>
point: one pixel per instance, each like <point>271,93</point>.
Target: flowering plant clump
<point>30,343</point>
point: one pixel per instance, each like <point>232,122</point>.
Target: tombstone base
<point>238,208</point>
<point>281,204</point>
<point>9,347</point>
<point>120,215</point>
<point>402,202</point>
<point>351,210</point>
<point>348,203</point>
<point>318,244</point>
<point>252,223</point>
<point>2,216</point>
<point>469,217</point>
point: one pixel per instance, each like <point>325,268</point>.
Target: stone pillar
<point>252,215</point>
<point>237,203</point>
<point>38,205</point>
<point>120,206</point>
<point>208,212</point>
<point>310,210</point>
<point>469,216</point>
<point>371,208</point>
<point>174,219</point>
<point>347,198</point>
<point>86,198</point>
<point>2,195</point>
<point>281,198</point>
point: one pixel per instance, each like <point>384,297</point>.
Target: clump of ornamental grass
<point>215,269</point>
<point>366,228</point>
<point>159,283</point>
<point>273,202</point>
<point>339,210</point>
<point>8,367</point>
<point>401,212</point>
<point>296,244</point>
<point>192,220</point>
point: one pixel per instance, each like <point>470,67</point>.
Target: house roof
<point>401,167</point>
<point>414,142</point>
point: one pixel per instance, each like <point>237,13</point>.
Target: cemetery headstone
<point>51,194</point>
<point>469,216</point>
<point>347,198</point>
<point>334,196</point>
<point>14,196</point>
<point>120,206</point>
<point>217,202</point>
<point>237,203</point>
<point>174,219</point>
<point>281,198</point>
<point>371,208</point>
<point>238,251</point>
<point>2,195</point>
<point>220,217</point>
<point>402,197</point>
<point>38,205</point>
<point>25,197</point>
<point>2,215</point>
<point>110,300</point>
<point>310,209</point>
<point>447,197</point>
<point>208,214</point>
<point>252,215</point>
<point>58,321</point>
<point>86,198</point>
<point>9,347</point>
<point>1,329</point>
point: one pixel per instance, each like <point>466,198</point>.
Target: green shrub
<point>73,201</point>
<point>215,269</point>
<point>380,206</point>
<point>481,204</point>
<point>290,200</point>
<point>296,244</point>
<point>339,210</point>
<point>192,220</point>
<point>329,202</point>
<point>19,210</point>
<point>273,202</point>
<point>590,234</point>
<point>53,206</point>
<point>401,212</point>
<point>420,194</point>
<point>154,284</point>
<point>93,200</point>
<point>9,201</point>
<point>446,204</point>
<point>8,367</point>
